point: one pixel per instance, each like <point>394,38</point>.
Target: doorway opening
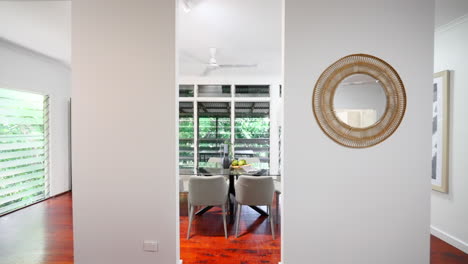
<point>230,123</point>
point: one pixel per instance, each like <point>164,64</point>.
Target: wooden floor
<point>42,234</point>
<point>443,253</point>
<point>207,243</point>
<point>38,234</point>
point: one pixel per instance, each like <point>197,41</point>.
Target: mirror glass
<point>359,100</point>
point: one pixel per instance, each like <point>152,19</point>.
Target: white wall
<point>345,205</point>
<point>448,10</point>
<point>24,70</point>
<point>124,137</point>
<point>449,214</point>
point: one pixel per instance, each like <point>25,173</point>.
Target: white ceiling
<point>449,10</point>
<point>243,31</point>
<point>42,26</point>
<point>248,32</point>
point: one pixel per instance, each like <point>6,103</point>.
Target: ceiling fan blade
<point>238,65</point>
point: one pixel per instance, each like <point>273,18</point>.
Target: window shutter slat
<point>25,169</point>
<point>21,187</point>
<point>21,178</point>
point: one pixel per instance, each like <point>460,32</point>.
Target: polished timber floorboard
<point>443,253</point>
<point>42,234</point>
<point>38,234</point>
<point>207,243</point>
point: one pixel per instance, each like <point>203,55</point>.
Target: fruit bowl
<point>238,163</point>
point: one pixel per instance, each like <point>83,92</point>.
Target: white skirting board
<point>463,246</point>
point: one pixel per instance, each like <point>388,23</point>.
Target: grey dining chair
<point>278,184</point>
<point>207,191</point>
<point>254,190</point>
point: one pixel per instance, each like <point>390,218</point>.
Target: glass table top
<point>226,172</point>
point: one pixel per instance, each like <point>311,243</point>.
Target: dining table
<point>232,174</point>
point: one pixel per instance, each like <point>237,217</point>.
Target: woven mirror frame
<point>324,92</point>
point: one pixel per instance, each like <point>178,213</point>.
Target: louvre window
<point>216,118</point>
<point>214,90</point>
<point>252,90</point>
<point>252,131</point>
<point>214,130</point>
<point>186,90</point>
<point>23,149</point>
<point>186,139</point>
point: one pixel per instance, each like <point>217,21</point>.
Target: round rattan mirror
<point>359,101</point>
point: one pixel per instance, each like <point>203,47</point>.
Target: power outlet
<point>150,246</point>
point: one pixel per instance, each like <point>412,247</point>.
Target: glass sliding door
<point>252,131</point>
<point>23,149</point>
<point>214,130</point>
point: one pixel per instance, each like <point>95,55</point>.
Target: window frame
<point>46,147</point>
<point>232,99</point>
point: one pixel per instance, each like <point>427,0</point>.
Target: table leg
<point>232,195</point>
<point>259,210</point>
<point>204,210</point>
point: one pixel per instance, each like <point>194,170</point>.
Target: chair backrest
<point>207,190</point>
<point>254,190</point>
<point>204,172</point>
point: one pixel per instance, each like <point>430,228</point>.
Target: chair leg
<point>228,204</point>
<point>235,204</point>
<point>224,220</point>
<point>238,213</point>
<point>272,224</point>
<point>188,208</point>
<point>191,211</point>
<point>277,208</point>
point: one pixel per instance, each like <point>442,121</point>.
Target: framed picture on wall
<point>440,126</point>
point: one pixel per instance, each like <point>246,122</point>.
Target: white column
<point>274,123</point>
<point>344,205</point>
<point>124,131</point>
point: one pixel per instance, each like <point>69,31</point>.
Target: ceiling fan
<point>213,64</point>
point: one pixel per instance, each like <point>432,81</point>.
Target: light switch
<point>150,246</point>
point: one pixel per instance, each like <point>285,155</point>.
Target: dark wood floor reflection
<point>38,234</point>
<point>42,234</point>
<point>207,243</point>
<point>443,253</point>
